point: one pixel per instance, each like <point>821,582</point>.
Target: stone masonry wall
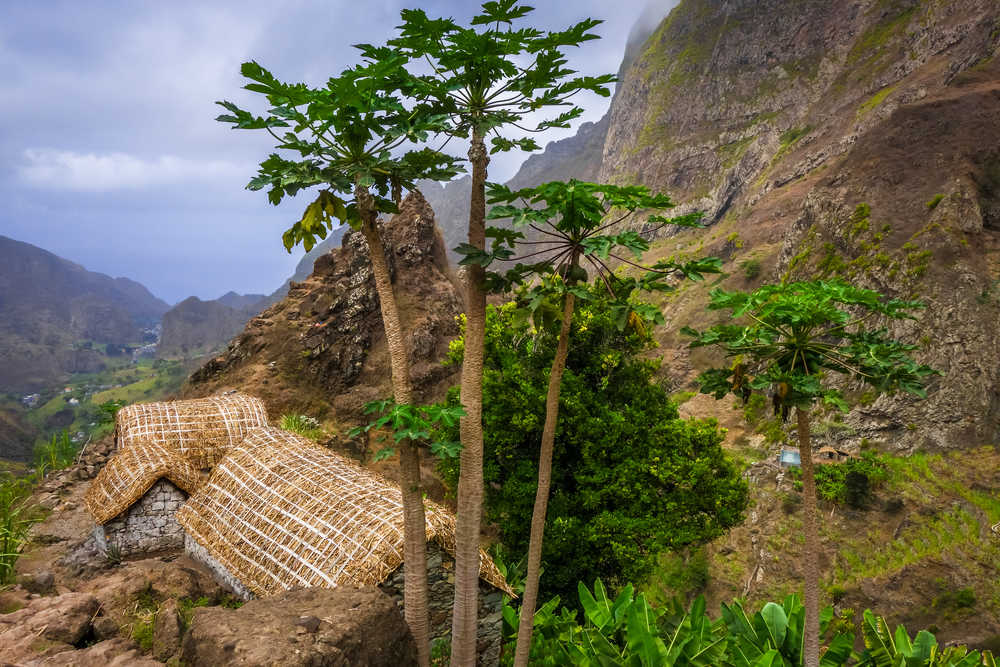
<point>221,573</point>
<point>148,525</point>
<point>441,598</point>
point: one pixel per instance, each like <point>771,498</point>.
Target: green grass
<point>303,425</point>
<point>935,200</point>
<point>875,101</point>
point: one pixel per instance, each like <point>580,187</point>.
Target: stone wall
<point>441,598</point>
<point>148,525</point>
<point>221,573</point>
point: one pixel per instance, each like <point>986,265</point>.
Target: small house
<point>164,453</point>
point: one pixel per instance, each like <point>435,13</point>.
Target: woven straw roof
<point>280,511</point>
<point>129,474</point>
<point>200,430</point>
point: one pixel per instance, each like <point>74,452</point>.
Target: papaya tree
<point>578,232</point>
<point>793,339</point>
<point>489,76</point>
<point>347,141</point>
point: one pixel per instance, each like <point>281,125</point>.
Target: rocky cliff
<point>321,350</point>
<point>856,139</point>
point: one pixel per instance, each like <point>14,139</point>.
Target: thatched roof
<point>130,473</point>
<point>280,511</point>
<point>200,430</point>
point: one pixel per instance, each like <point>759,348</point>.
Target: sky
<point>109,152</point>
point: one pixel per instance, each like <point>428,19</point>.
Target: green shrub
<point>932,204</point>
<point>629,479</point>
<point>751,268</point>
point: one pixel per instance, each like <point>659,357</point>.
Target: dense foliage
<point>625,467</point>
<point>625,630</point>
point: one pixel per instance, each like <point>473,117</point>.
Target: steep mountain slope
<point>816,140</point>
<point>48,303</point>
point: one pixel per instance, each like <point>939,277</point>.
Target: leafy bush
<point>751,268</point>
<point>851,482</point>
<point>630,479</point>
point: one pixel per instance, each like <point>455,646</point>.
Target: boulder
<point>46,626</point>
<point>116,652</point>
<point>344,627</point>
<point>166,631</point>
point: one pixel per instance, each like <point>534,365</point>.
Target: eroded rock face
<point>314,626</point>
<point>322,349</point>
<point>783,123</point>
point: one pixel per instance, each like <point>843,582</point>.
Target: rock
<point>166,631</point>
<point>116,652</point>
<point>39,582</point>
<point>47,625</point>
<point>105,627</point>
<point>329,327</point>
<point>353,627</point>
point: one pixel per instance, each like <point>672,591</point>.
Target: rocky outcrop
<point>311,627</point>
<point>322,349</point>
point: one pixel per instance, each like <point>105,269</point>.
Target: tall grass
<point>16,518</point>
<point>57,453</point>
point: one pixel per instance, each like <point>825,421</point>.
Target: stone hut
<point>134,498</point>
<point>165,453</point>
<point>279,512</point>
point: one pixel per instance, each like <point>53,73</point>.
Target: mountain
<point>194,327</point>
<point>51,309</point>
<point>241,301</point>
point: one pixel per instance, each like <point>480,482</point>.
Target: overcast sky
<point>109,154</point>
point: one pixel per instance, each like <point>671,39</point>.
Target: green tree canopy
<point>625,468</point>
<point>350,133</point>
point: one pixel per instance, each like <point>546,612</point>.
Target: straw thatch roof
<point>280,511</point>
<point>200,430</point>
<point>130,473</point>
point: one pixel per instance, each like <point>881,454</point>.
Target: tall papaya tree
<point>349,140</point>
<point>793,339</point>
<point>489,76</point>
<point>577,223</point>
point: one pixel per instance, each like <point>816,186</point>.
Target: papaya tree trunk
<point>531,581</point>
<point>414,524</point>
<point>810,642</point>
<point>470,478</point>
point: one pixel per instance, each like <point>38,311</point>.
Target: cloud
<point>93,172</point>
